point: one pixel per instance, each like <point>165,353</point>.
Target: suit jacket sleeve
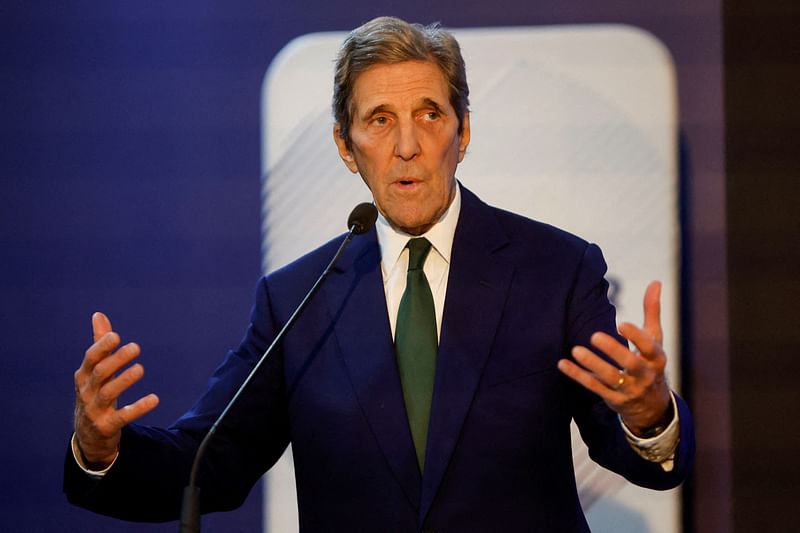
<point>146,482</point>
<point>590,311</point>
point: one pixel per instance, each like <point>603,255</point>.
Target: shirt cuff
<point>78,456</point>
<point>661,448</point>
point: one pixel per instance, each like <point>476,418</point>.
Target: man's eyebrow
<point>433,103</point>
<point>385,108</point>
<point>380,108</point>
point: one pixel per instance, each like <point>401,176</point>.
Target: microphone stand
<point>190,510</point>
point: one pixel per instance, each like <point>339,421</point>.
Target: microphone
<point>360,221</point>
<point>363,217</point>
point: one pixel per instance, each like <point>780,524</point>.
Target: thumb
<point>652,311</point>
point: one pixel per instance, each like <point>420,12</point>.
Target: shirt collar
<point>392,242</point>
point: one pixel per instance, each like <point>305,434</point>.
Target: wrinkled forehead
<point>398,86</point>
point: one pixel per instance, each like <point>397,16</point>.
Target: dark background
<point>762,115</point>
<point>129,163</point>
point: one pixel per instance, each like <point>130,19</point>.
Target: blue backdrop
<point>130,184</point>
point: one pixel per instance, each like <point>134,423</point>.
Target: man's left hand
<point>637,389</point>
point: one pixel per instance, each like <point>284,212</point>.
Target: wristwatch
<point>658,429</point>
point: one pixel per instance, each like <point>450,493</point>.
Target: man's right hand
<point>98,422</point>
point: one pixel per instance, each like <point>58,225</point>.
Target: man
<point>431,383</point>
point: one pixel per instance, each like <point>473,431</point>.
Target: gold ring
<point>622,373</point>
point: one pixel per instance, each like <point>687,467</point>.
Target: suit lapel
<point>357,304</point>
<point>476,292</point>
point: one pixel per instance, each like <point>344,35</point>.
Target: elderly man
<point>431,383</point>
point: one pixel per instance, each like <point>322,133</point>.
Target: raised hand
<point>637,388</point>
<point>98,422</point>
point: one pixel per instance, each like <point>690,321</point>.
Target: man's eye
<point>431,115</point>
<point>380,120</point>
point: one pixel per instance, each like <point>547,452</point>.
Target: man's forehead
<point>389,84</point>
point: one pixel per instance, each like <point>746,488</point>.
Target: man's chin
<point>411,221</point>
<point>412,227</point>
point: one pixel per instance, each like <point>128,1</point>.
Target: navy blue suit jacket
<point>520,294</point>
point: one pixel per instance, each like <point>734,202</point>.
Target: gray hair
<point>388,40</point>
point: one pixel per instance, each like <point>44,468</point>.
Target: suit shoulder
<point>539,237</point>
<point>307,266</point>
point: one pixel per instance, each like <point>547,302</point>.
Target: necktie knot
<point>418,250</point>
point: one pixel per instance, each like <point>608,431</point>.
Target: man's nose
<point>407,145</point>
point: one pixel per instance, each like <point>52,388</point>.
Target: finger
<point>100,325</point>
<point>105,369</point>
<point>129,413</point>
<point>109,392</point>
<point>647,346</point>
<point>652,311</point>
<point>615,350</point>
<point>602,369</point>
<point>96,353</point>
<point>589,381</point>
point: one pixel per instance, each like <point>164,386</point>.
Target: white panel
<point>573,125</point>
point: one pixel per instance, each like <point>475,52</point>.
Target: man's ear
<point>344,152</point>
<point>464,142</point>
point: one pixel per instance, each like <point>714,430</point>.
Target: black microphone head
<point>362,218</point>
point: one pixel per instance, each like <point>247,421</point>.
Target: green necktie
<point>416,344</point>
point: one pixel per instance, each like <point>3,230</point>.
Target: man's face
<point>405,142</point>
